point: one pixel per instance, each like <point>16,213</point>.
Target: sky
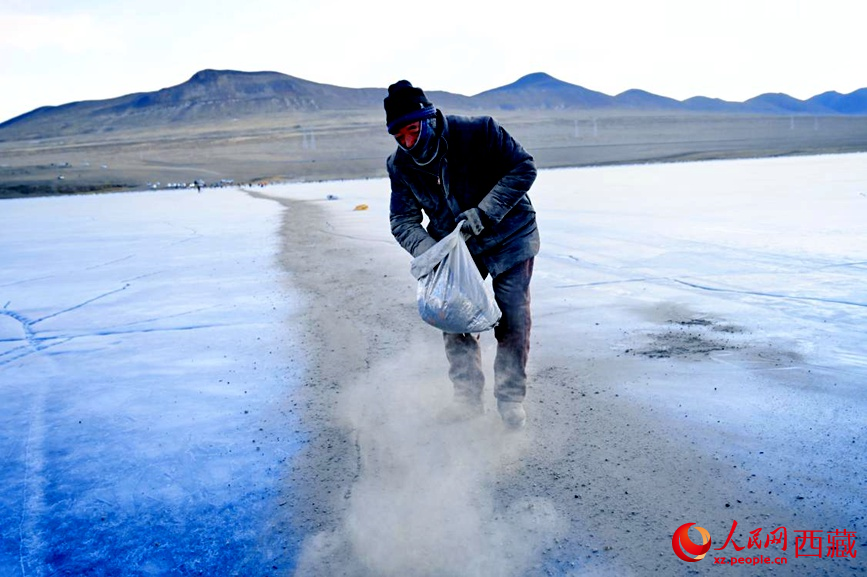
<point>58,51</point>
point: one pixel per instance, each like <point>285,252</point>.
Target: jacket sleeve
<point>406,216</point>
<point>519,172</point>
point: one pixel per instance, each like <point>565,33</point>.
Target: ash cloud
<point>426,499</point>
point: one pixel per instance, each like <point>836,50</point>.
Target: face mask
<point>425,148</point>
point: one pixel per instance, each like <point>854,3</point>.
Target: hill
<point>853,103</point>
<point>257,126</point>
<point>216,95</point>
<point>208,96</point>
<point>541,91</point>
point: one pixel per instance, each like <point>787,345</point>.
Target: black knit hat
<point>404,104</point>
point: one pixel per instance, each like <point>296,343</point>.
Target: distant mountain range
<point>543,91</point>
<point>212,95</point>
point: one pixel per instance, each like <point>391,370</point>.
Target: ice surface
<point>144,362</point>
<point>782,238</point>
<point>148,346</point>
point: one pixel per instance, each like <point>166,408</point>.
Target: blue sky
<point>53,51</point>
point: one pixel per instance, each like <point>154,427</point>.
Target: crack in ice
<point>695,285</point>
<point>26,326</point>
<point>81,305</point>
<point>768,294</point>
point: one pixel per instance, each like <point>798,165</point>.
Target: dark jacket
<point>478,165</point>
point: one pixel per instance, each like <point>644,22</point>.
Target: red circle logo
<point>685,548</point>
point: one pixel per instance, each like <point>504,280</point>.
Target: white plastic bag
<point>452,295</point>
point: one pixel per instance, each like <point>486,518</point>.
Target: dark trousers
<point>512,293</point>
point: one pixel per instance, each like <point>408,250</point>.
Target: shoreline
<point>51,187</point>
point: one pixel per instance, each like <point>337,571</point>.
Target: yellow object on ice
<point>361,207</point>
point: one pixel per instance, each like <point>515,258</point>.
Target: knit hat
<point>404,104</point>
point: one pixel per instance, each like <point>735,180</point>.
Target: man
<point>454,169</point>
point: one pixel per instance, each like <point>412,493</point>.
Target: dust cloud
<point>428,496</point>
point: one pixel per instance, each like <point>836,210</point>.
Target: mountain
<point>714,105</point>
<point>218,95</point>
<point>853,103</point>
<point>541,91</point>
<point>777,102</point>
<point>643,100</point>
<point>208,94</point>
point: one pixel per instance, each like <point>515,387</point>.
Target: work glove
<point>472,220</point>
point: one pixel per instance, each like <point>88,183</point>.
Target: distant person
<point>455,169</point>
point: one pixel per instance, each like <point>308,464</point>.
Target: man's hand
<point>472,220</point>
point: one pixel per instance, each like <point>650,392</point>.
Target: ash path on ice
<point>146,366</point>
<point>697,358</point>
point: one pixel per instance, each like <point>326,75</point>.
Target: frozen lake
<point>149,345</point>
<point>145,369</point>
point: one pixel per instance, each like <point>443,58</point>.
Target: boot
<point>513,414</point>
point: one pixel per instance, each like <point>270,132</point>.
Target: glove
<point>472,220</point>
